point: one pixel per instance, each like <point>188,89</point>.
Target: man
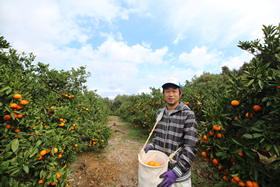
<point>177,128</point>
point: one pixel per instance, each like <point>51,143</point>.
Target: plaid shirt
<point>179,129</point>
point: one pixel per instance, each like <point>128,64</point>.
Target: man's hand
<point>147,148</point>
<point>170,178</point>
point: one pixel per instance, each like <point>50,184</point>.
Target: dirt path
<point>116,166</point>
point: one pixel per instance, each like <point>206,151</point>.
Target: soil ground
<point>117,165</point>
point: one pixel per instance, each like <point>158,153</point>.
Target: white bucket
<point>148,176</point>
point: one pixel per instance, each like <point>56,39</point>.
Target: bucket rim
<point>153,167</point>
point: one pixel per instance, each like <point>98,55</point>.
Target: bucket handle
<point>173,154</point>
<point>157,120</point>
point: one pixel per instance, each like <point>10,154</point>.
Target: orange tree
<point>245,123</point>
<point>46,116</point>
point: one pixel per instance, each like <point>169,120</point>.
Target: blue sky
<point>131,45</point>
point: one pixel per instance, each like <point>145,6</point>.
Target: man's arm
<point>187,155</point>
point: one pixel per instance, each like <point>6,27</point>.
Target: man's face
<point>171,94</point>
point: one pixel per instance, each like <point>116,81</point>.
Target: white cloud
<point>200,57</point>
<point>145,44</point>
<point>120,36</point>
<point>217,20</point>
<point>179,37</point>
<point>238,61</point>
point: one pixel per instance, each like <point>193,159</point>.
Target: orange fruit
<point>61,119</point>
<point>7,117</point>
<point>240,154</point>
<point>13,105</point>
<point>19,107</point>
<point>211,133</point>
<point>24,102</point>
<point>17,96</point>
<point>255,184</point>
<point>215,161</point>
<point>236,178</point>
<point>41,182</point>
<point>76,145</point>
<point>19,116</point>
<point>235,119</point>
<point>233,181</point>
<point>61,124</point>
<point>8,126</point>
<point>217,127</point>
<point>55,150</point>
<point>151,163</point>
<point>157,164</point>
<point>43,152</point>
<point>249,184</point>
<point>225,172</point>
<point>205,137</point>
<point>219,135</point>
<point>207,160</point>
<point>257,108</point>
<point>204,154</point>
<point>225,178</point>
<point>58,175</point>
<point>220,167</point>
<point>17,130</point>
<point>241,183</point>
<point>207,149</point>
<point>235,103</point>
<point>247,115</point>
<point>231,160</point>
<point>198,103</point>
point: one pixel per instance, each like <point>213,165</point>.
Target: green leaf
<point>3,89</point>
<point>250,82</point>
<point>236,142</point>
<point>26,169</point>
<point>276,149</point>
<point>38,143</point>
<point>256,129</point>
<point>4,181</point>
<point>257,135</point>
<point>249,136</point>
<point>8,147</point>
<point>264,99</point>
<point>256,174</point>
<point>34,151</point>
<point>268,147</point>
<point>15,144</point>
<point>7,155</point>
<point>8,91</point>
<point>261,84</point>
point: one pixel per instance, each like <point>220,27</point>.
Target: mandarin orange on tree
<point>257,108</point>
<point>204,154</point>
<point>217,127</point>
<point>24,102</point>
<point>247,115</point>
<point>249,184</point>
<point>13,105</point>
<point>235,103</point>
<point>17,96</point>
<point>219,135</point>
<point>211,133</point>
